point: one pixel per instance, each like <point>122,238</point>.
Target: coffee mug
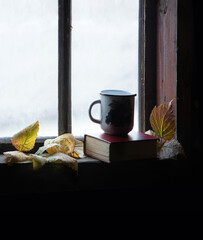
<point>117,111</point>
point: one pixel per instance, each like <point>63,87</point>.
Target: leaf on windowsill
<point>52,147</point>
<point>16,156</point>
<point>64,149</point>
<point>64,159</point>
<point>162,121</point>
<point>37,161</point>
<point>40,160</point>
<point>57,158</point>
<point>64,143</point>
<point>79,149</point>
<point>171,149</point>
<point>167,149</point>
<point>24,140</point>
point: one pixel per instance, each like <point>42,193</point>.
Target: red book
<point>109,148</point>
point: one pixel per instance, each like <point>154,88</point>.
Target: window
<point>28,65</point>
<point>104,45</point>
<point>104,55</point>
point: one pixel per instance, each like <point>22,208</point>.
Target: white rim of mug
<point>119,93</point>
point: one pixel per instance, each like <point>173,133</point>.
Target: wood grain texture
<point>147,61</point>
<point>166,50</point>
<point>64,67</point>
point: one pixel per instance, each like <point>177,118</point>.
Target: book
<point>109,148</point>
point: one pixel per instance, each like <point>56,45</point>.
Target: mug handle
<point>90,113</point>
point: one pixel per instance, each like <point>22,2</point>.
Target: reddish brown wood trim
<point>166,50</point>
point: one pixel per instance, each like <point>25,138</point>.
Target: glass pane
<point>104,55</point>
<point>28,65</point>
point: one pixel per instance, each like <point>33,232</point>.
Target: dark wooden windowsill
<point>92,175</point>
<point>136,186</point>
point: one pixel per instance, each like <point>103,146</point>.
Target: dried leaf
<point>75,155</point>
<point>79,149</point>
<point>61,150</point>
<point>58,158</point>
<point>62,158</point>
<point>25,139</point>
<point>65,144</point>
<point>38,161</point>
<point>48,147</point>
<point>171,149</point>
<point>56,147</point>
<point>162,121</point>
<point>15,156</point>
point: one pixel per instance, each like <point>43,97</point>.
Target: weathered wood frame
<point>170,66</point>
<point>64,66</point>
<point>147,61</point>
<point>157,56</point>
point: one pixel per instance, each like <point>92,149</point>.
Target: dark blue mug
<point>117,111</point>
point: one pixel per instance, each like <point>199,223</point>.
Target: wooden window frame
<point>64,67</point>
<point>64,74</point>
<point>147,61</point>
<point>158,56</point>
<point>170,66</point>
<point>64,77</point>
<point>153,84</point>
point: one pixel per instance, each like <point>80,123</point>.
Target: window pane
<point>104,54</point>
<point>28,65</point>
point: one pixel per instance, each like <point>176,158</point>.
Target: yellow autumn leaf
<point>64,143</point>
<point>25,139</point>
<point>162,121</point>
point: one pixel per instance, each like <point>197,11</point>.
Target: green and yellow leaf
<point>25,139</point>
<point>162,121</point>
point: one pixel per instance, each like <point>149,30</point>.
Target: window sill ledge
<point>136,186</point>
<point>92,175</point>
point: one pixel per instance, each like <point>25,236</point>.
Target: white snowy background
<point>104,56</point>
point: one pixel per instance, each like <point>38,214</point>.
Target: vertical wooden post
<point>147,61</point>
<point>166,50</point>
<point>64,66</point>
